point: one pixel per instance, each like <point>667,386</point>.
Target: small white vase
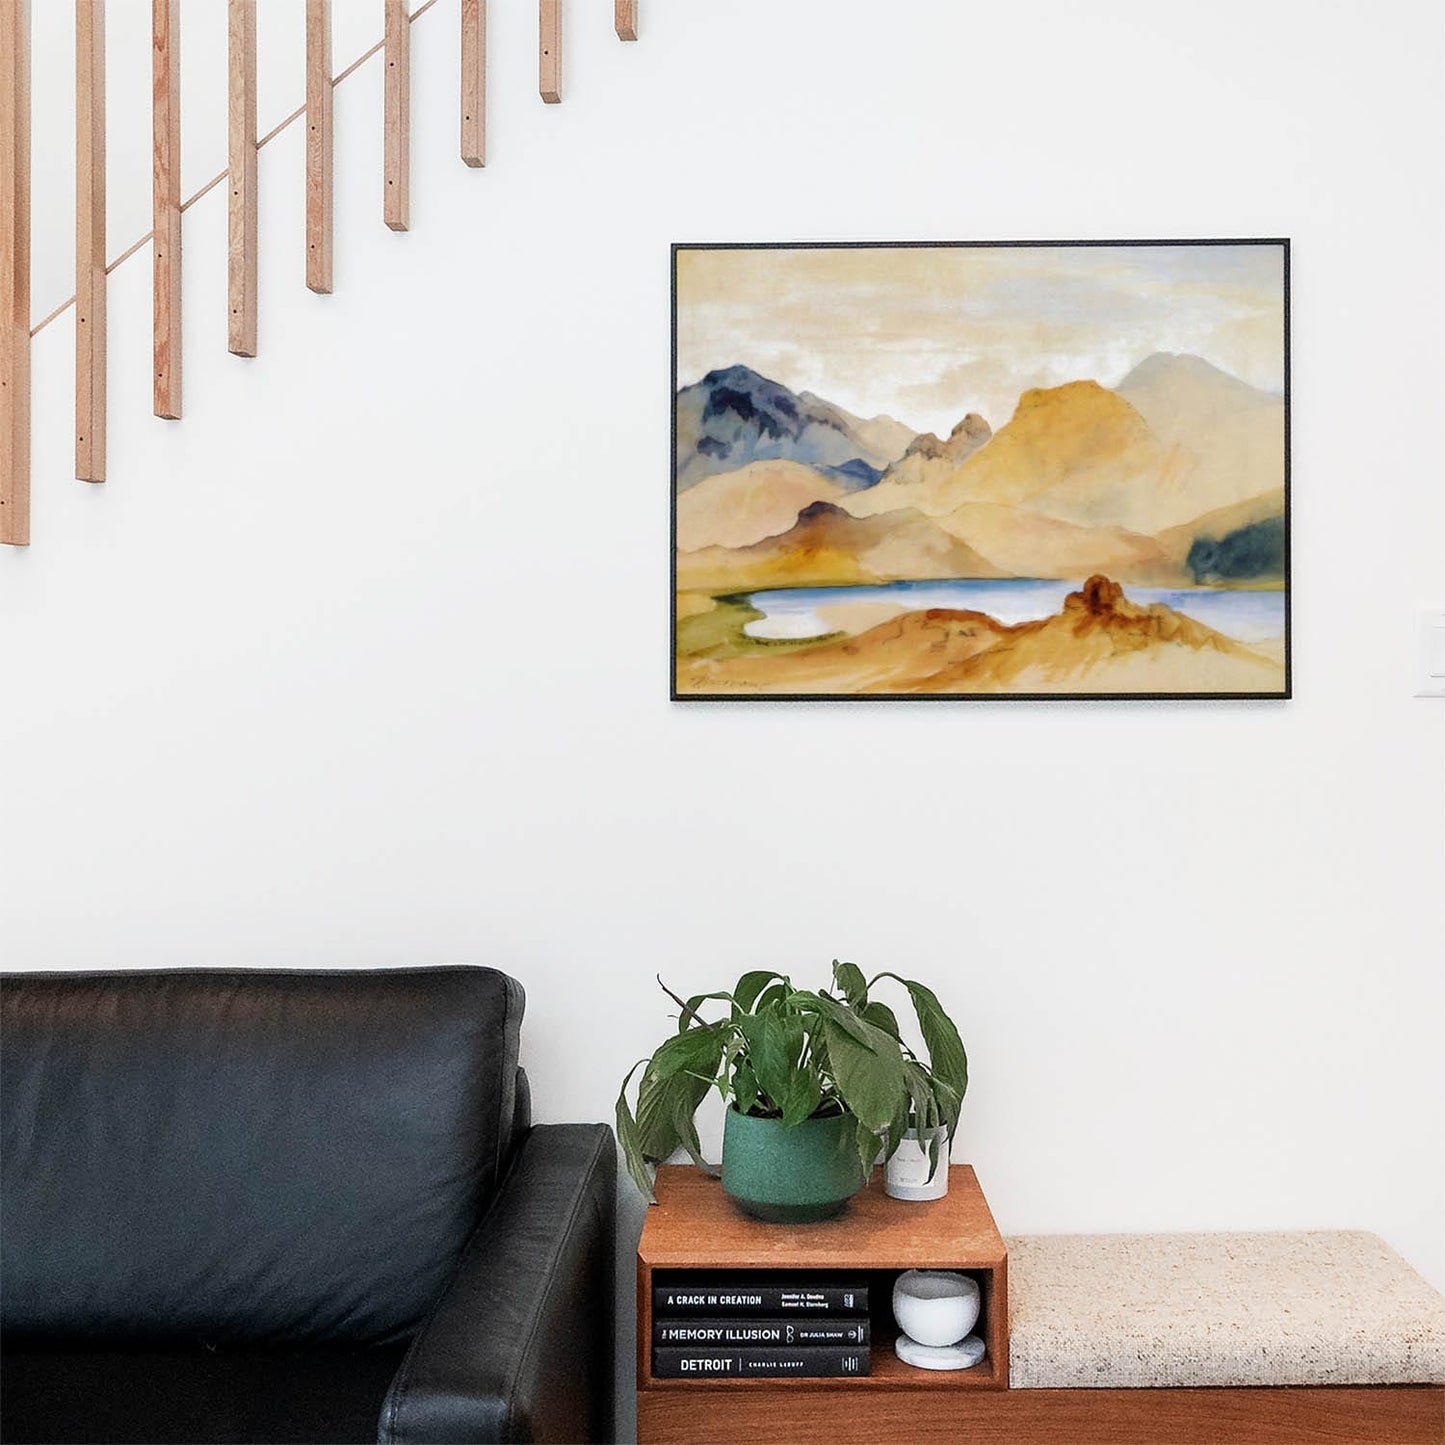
<point>935,1307</point>
<point>905,1176</point>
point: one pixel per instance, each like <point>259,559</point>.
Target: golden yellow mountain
<point>1027,544</point>
<point>736,509</point>
<point>828,547</point>
<point>1178,439</point>
<point>1078,453</point>
<point>1099,643</point>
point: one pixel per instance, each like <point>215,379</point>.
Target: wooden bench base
<point>1290,1415</point>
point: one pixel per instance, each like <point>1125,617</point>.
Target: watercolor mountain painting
<point>1011,470</point>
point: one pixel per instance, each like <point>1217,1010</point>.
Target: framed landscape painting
<point>1009,470</point>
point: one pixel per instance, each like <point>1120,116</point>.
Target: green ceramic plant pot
<point>791,1176</point>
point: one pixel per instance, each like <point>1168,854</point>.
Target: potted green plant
<point>816,1082</point>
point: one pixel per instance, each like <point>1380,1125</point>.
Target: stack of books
<point>784,1326</point>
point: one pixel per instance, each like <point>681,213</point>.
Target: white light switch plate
<point>1431,678</point>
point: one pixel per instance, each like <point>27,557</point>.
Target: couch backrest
<point>246,1155</point>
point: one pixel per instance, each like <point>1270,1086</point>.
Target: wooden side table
<point>695,1227</point>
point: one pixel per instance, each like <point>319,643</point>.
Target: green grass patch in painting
<point>718,631</point>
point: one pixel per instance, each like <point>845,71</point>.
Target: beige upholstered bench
<point>1223,1337</point>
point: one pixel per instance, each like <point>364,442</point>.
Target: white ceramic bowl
<point>935,1306</point>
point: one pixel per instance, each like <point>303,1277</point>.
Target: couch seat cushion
<point>1315,1308</point>
<point>307,1397</point>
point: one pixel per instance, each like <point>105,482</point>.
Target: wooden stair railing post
<point>549,50</point>
<point>90,289</point>
<point>15,272</point>
<point>624,19</point>
<point>166,204</point>
<point>396,210</point>
<point>241,218</point>
<point>318,146</point>
<point>474,82</point>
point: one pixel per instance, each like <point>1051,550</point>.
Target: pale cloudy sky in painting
<point>927,334</point>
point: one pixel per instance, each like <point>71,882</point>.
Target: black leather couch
<point>286,1206</point>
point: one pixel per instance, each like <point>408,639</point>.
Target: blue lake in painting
<point>792,612</point>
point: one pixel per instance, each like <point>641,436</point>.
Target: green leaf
<point>695,1050</point>
<point>897,1127</point>
<point>867,1142</point>
<point>922,1105</point>
<point>732,1050</point>
<point>685,1016</point>
<point>661,1103</point>
<point>821,1065</point>
<point>775,1044</point>
<point>946,1053</point>
<point>935,1149</point>
<point>848,979</point>
<point>749,986</point>
<point>948,1104</point>
<point>745,1087</point>
<point>842,1017</point>
<point>866,1063</point>
<point>881,1016</point>
<point>684,1106</point>
<point>690,1018</point>
<point>774,993</point>
<point>688,1015</point>
<point>629,1137</point>
<point>656,1135</point>
<point>869,1075</point>
<point>805,1093</point>
<point>930,1099</point>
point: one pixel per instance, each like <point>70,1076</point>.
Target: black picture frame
<point>1285,694</point>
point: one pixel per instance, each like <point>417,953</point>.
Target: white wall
<point>366,660</point>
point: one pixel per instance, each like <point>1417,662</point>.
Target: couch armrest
<point>520,1345</point>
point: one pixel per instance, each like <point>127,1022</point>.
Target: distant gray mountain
<point>733,417</point>
<point>1227,436</point>
<point>882,434</point>
<point>1192,382</point>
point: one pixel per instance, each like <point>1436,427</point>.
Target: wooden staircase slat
<point>90,273</point>
<point>15,273</point>
<point>319,103</point>
<point>396,49</point>
<point>166,204</point>
<point>474,82</point>
<point>549,50</point>
<point>242,220</point>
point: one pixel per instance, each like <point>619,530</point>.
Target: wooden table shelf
<point>695,1229</point>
